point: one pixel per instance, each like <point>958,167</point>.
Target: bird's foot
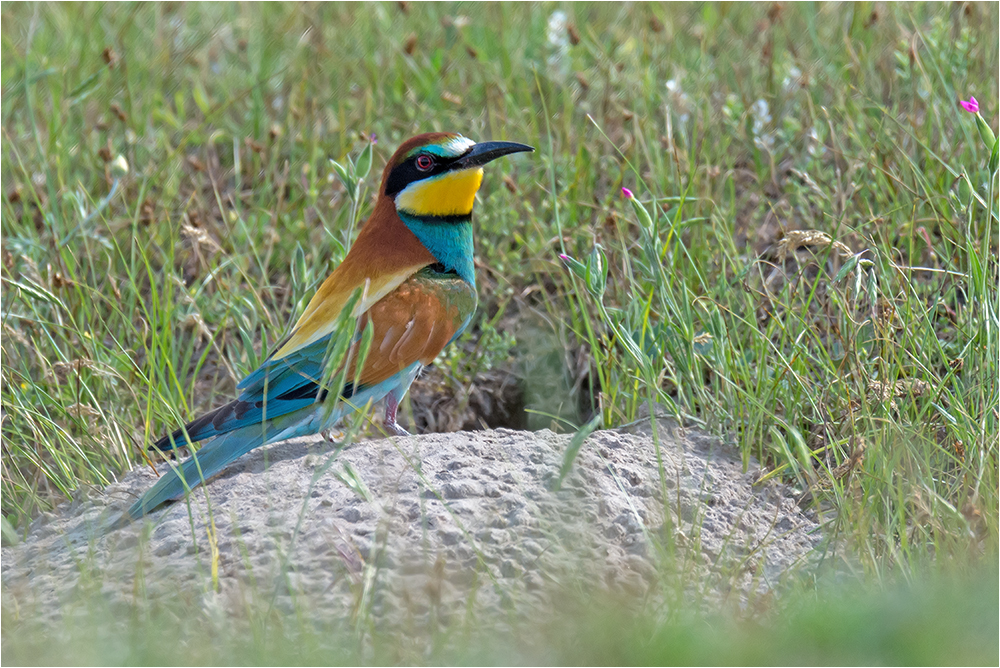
<point>394,428</point>
<point>389,422</point>
<point>332,435</point>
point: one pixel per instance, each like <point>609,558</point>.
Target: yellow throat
<point>450,194</point>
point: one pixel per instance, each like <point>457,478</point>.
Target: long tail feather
<point>226,448</point>
<point>198,468</point>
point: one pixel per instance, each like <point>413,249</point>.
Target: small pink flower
<point>971,106</point>
<point>373,139</point>
<point>563,257</point>
<point>628,193</point>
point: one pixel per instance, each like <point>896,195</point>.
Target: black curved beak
<point>487,151</point>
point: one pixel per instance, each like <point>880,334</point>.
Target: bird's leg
<point>390,424</point>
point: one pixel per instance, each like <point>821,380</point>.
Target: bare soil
<point>430,526</point>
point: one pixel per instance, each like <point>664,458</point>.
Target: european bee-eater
<point>413,261</point>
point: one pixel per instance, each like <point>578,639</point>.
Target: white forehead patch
<point>449,148</point>
<point>459,145</point>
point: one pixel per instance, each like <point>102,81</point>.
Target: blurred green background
<point>816,281</point>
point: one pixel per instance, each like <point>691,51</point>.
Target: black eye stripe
<point>407,172</point>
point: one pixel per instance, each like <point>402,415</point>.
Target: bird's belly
<point>414,322</point>
<point>452,292</point>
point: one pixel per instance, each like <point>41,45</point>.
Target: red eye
<point>424,162</point>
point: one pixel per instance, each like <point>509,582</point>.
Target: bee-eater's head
<point>436,175</point>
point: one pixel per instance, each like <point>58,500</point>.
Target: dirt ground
<point>427,524</point>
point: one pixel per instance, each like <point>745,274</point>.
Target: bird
<point>413,263</point>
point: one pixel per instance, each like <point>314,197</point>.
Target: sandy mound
<point>433,522</point>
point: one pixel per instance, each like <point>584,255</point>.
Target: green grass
<point>950,621</point>
<point>119,322</point>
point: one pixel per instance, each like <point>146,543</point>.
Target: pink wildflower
<point>970,105</point>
